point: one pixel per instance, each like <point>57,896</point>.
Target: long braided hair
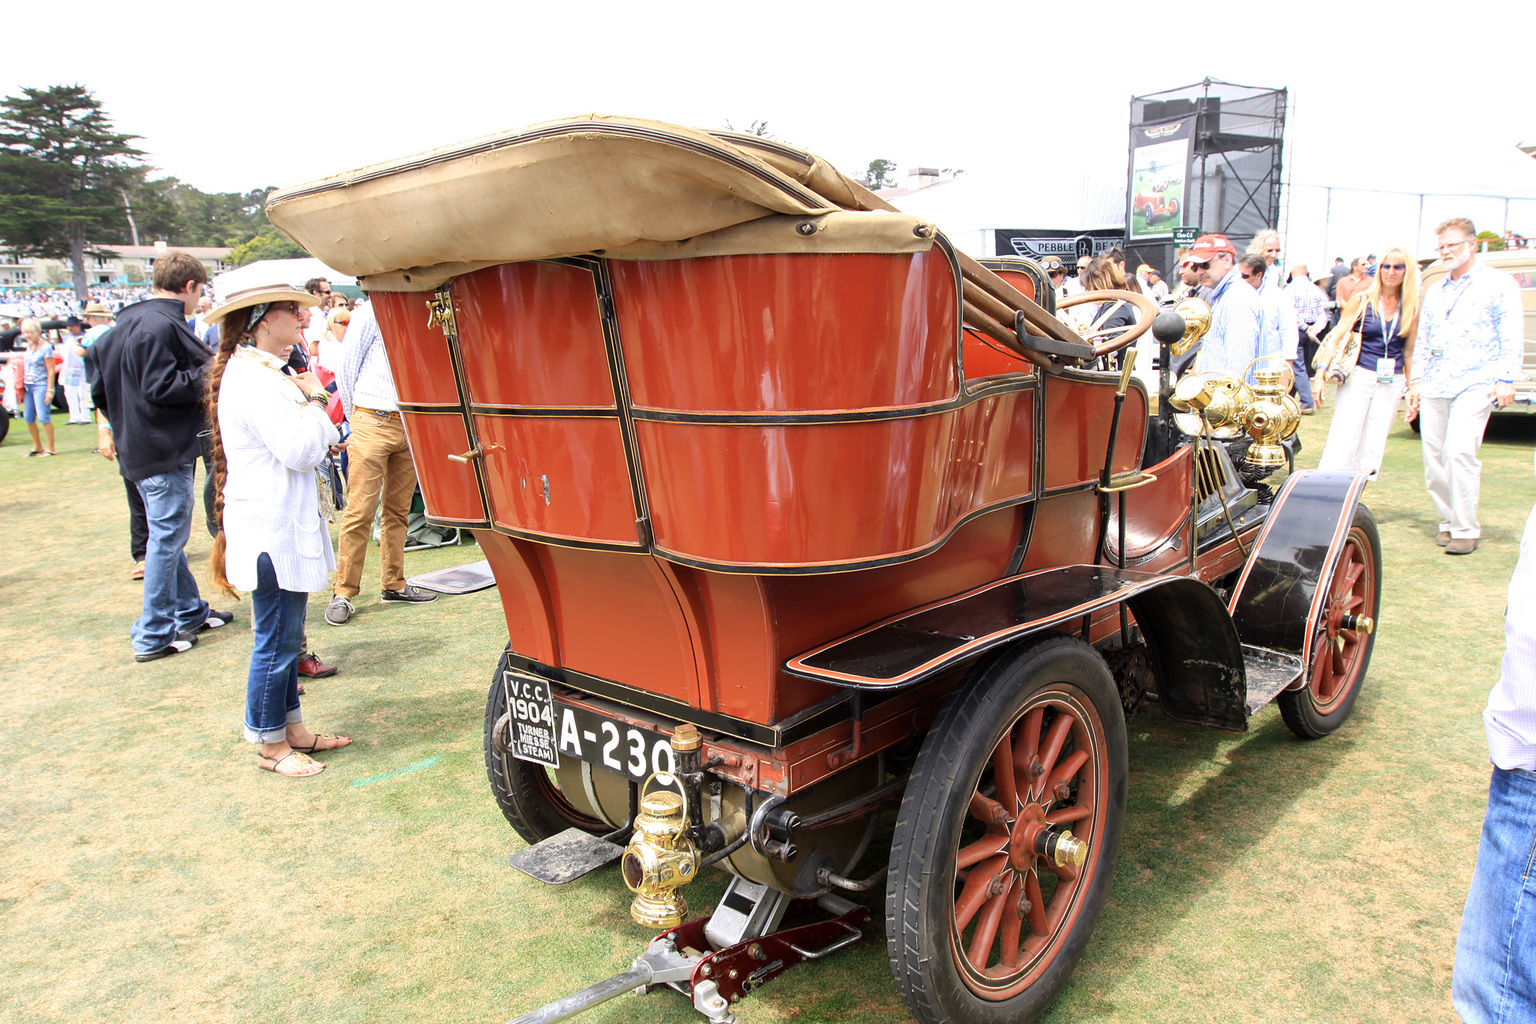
<point>235,329</point>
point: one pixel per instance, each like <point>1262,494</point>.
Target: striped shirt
<point>1237,327</point>
<point>1510,717</point>
<point>1471,334</point>
<point>364,378</point>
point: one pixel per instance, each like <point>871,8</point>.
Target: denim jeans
<point>1299,368</point>
<point>272,688</point>
<point>1495,977</point>
<point>172,603</point>
<point>34,404</point>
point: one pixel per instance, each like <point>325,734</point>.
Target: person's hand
<point>308,381</point>
<point>1413,403</point>
<point>1503,393</point>
<point>1320,389</point>
<point>337,449</point>
<point>105,444</point>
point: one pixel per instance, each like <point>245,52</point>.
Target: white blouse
<point>273,439</point>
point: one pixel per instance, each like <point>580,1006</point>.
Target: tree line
<point>72,186</point>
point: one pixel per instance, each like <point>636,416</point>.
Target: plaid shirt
<point>1471,334</point>
<point>1308,299</point>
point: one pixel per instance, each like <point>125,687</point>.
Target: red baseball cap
<point>1207,246</point>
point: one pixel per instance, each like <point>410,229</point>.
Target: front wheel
<point>1341,642</point>
<point>528,795</point>
<point>984,921</point>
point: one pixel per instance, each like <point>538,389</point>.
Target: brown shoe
<point>138,571</point>
<point>310,665</point>
<point>1461,546</point>
<point>1443,538</point>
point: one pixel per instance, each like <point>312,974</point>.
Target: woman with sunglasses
<point>270,432</point>
<point>1386,313</point>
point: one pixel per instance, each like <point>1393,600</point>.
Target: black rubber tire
<point>5,422</point>
<point>1173,207</point>
<point>1305,714</point>
<point>955,764</point>
<point>1149,213</point>
<point>526,793</point>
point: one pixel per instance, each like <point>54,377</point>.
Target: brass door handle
<point>467,457</point>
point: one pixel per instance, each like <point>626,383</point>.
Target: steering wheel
<point>1115,338</point>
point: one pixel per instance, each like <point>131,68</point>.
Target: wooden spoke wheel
<point>986,916</point>
<point>1341,641</point>
<point>528,795</point>
<point>1113,339</point>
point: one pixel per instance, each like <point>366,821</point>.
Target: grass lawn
<point>150,872</point>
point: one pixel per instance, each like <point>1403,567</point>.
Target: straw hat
<point>97,309</point>
<point>260,295</point>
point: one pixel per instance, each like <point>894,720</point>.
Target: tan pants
<point>378,460</point>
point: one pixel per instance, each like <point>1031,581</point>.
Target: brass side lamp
<point>660,858</point>
<point>1265,412</point>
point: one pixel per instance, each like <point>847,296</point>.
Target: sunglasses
<point>1252,277</point>
<point>1392,266</point>
<point>1448,246</point>
<point>1198,264</point>
<point>287,307</point>
<point>1057,273</point>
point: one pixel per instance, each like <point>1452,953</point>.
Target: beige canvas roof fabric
<point>625,187</point>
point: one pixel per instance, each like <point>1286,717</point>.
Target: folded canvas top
<point>623,187</point>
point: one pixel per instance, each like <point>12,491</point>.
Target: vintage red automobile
<point>798,514</point>
<point>1154,204</point>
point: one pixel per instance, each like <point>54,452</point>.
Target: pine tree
<point>63,167</point>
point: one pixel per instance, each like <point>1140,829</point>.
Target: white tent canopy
<point>292,272</point>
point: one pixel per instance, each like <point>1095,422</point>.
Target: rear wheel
<point>1341,643</point>
<point>527,793</point>
<point>983,924</point>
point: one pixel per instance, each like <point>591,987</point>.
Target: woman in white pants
<point>1387,313</point>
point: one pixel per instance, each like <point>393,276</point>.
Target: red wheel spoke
<point>1062,815</point>
<point>1066,874</point>
<point>1013,924</point>
<point>980,850</point>
<point>988,811</point>
<point>1029,740</point>
<point>975,891</point>
<point>1003,773</point>
<point>986,929</point>
<point>1068,769</point>
<point>1051,749</point>
<point>1037,922</point>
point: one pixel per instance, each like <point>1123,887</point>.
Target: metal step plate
<point>457,579</point>
<point>566,857</point>
<point>1268,673</point>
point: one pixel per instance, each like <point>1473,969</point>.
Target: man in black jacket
<point>147,380</point>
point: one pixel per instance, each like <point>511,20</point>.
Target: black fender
<point>1280,592</point>
<point>1195,651</point>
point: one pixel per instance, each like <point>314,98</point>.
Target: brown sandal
<point>315,747</point>
<point>302,767</point>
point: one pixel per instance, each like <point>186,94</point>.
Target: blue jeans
<point>172,603</point>
<point>1495,977</point>
<point>272,688</point>
<point>1299,368</point>
<point>35,404</point>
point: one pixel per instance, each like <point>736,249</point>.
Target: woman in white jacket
<point>270,432</point>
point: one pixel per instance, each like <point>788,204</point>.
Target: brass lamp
<point>660,858</point>
<point>1197,320</point>
<point>1273,416</point>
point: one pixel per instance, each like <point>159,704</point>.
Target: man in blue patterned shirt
<point>1237,315</point>
<point>1465,361</point>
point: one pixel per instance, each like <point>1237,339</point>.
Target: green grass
<point>150,872</point>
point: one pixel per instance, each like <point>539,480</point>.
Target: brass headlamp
<point>660,858</point>
<point>1265,412</point>
<point>1197,320</point>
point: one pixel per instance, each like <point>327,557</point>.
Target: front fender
<point>1280,593</point>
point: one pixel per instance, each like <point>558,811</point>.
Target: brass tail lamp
<point>661,858</point>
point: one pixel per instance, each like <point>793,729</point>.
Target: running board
<point>566,857</point>
<point>456,579</point>
<point>1268,672</point>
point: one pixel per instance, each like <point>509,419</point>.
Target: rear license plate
<point>633,751</point>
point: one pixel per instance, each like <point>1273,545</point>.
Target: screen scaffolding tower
<point>1234,163</point>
